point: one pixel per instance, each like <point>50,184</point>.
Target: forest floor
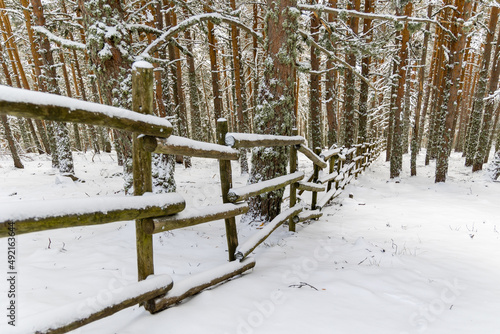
<point>407,257</point>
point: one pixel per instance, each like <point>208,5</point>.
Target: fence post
<point>331,169</point>
<point>226,183</point>
<point>293,186</point>
<point>142,102</point>
<point>317,150</point>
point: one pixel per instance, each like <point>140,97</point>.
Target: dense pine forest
<point>415,74</point>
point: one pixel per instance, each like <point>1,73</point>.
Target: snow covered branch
<point>59,40</point>
<point>216,18</point>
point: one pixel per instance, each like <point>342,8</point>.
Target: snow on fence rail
<point>26,103</point>
<point>189,147</point>
<point>33,216</point>
<point>248,140</point>
<point>244,193</point>
<point>157,213</point>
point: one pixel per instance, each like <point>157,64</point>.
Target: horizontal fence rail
<point>34,216</point>
<point>44,106</point>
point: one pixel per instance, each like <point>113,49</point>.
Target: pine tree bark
<point>365,71</point>
<point>350,82</point>
<point>331,91</point>
<point>397,149</point>
<point>61,133</point>
<point>483,146</point>
<point>11,142</point>
<point>418,110</point>
<point>276,103</point>
<point>453,85</point>
<point>481,88</point>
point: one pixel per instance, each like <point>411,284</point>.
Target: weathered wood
<point>331,169</point>
<point>312,156</point>
<point>44,106</point>
<point>293,186</point>
<point>142,102</point>
<point>328,197</point>
<point>239,140</point>
<point>328,177</point>
<point>314,199</point>
<point>226,183</point>
<point>307,215</point>
<point>197,283</point>
<point>256,239</point>
<point>189,147</point>
<point>197,216</point>
<point>243,193</point>
<point>29,216</point>
<point>330,153</point>
<point>310,186</point>
<point>78,314</point>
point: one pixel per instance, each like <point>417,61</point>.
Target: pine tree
<point>276,102</point>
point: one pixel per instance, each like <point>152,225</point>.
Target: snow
<point>60,41</point>
<point>407,257</point>
<point>256,188</point>
<point>177,141</point>
<point>231,138</point>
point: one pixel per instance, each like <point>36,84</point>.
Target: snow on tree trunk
<point>274,114</point>
<point>481,88</point>
<point>489,108</point>
<point>365,70</point>
<point>397,140</point>
<point>62,150</point>
<point>452,87</point>
<point>350,81</point>
<point>315,125</point>
<point>11,142</point>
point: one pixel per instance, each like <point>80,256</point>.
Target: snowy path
<point>411,257</point>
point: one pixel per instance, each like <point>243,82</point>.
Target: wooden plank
<point>333,193</point>
<point>310,186</point>
<point>197,283</point>
<point>248,140</point>
<point>308,214</point>
<point>78,314</point>
<point>312,156</point>
<point>328,177</point>
<point>195,216</point>
<point>243,193</point>
<point>44,106</point>
<point>256,239</point>
<point>330,153</point>
<point>34,216</point>
<point>189,147</point>
<point>293,186</point>
<point>142,102</point>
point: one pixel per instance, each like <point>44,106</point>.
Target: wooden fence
<point>158,213</point>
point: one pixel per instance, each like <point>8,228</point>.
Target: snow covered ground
<point>408,257</point>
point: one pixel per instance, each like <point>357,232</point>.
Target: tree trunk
<point>61,133</point>
<point>489,109</point>
<point>397,149</point>
<point>481,88</point>
<point>365,71</point>
<point>276,103</point>
<point>350,83</point>
<point>418,111</point>
<point>11,142</point>
<point>453,85</point>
